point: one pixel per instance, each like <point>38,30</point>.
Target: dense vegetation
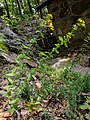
<point>33,84</point>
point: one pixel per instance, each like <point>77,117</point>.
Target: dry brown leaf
<point>39,85</point>
<point>3,118</point>
<point>5,104</point>
<point>18,116</point>
<point>34,108</point>
<point>24,112</point>
<point>30,63</point>
<point>31,118</point>
<point>5,115</point>
<point>45,101</point>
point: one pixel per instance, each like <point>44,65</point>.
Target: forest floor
<point>55,109</point>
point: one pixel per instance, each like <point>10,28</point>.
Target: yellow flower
<point>50,16</point>
<point>80,20</point>
<point>49,21</point>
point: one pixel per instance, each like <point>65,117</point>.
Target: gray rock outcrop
<point>66,12</point>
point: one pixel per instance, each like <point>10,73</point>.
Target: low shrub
<point>36,84</point>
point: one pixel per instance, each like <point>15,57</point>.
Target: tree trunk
<point>19,7</point>
<point>7,9</point>
<point>21,3</point>
<point>40,10</point>
<point>30,7</point>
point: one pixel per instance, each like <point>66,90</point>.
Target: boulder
<point>66,12</point>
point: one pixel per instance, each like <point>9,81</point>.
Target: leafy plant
<point>32,105</point>
<point>86,45</point>
<point>3,47</point>
<point>64,40</point>
<point>18,89</point>
<point>36,84</point>
<point>74,84</point>
<point>24,84</point>
<point>86,106</point>
<point>13,96</point>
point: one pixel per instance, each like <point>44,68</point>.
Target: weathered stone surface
<point>66,12</point>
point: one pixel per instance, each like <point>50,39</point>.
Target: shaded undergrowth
<point>35,85</point>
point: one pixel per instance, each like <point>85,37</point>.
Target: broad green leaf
<point>57,45</point>
<point>61,39</point>
<point>85,106</point>
<point>88,117</point>
<point>65,43</point>
<point>26,47</point>
<point>11,80</point>
<point>43,54</point>
<point>13,101</point>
